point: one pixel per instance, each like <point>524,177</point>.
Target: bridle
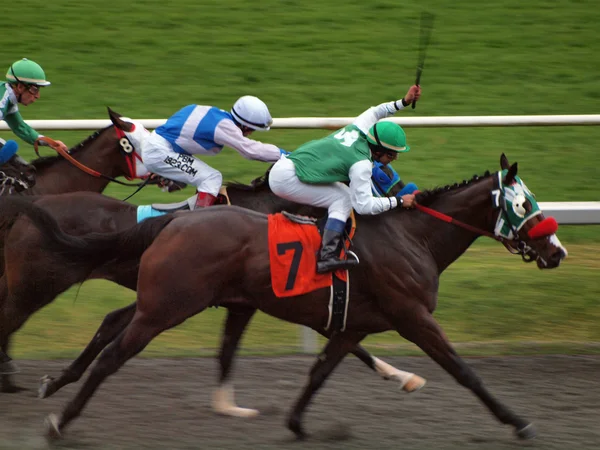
<point>514,245</point>
<point>9,183</point>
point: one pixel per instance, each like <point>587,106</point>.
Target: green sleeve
<point>20,128</point>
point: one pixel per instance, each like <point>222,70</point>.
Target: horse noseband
<point>527,253</point>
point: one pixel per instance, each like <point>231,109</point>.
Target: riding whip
<point>427,19</point>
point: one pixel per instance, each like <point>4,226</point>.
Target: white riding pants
<point>335,197</point>
<point>160,158</point>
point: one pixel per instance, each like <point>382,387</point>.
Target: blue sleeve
<point>384,180</point>
<point>410,188</point>
<point>7,151</point>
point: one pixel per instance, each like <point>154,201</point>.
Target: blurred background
<point>148,59</point>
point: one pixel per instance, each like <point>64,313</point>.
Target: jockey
<point>24,79</point>
<point>315,173</point>
<point>204,130</point>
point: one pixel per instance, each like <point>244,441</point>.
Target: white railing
<point>338,122</point>
<point>573,213</point>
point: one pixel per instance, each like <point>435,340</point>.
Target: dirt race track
<point>166,404</point>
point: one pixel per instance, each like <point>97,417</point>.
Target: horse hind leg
<point>136,336</point>
<point>112,325</point>
<point>409,382</point>
<point>223,401</point>
<point>423,330</point>
<point>338,346</point>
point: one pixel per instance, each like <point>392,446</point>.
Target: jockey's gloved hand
<point>413,94</point>
<point>166,184</point>
<point>284,152</point>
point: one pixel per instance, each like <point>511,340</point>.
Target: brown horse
<point>80,213</point>
<point>395,287</point>
<point>100,157</point>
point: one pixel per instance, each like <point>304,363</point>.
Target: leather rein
<point>130,155</point>
<point>514,246</point>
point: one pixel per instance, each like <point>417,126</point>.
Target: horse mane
<point>44,161</point>
<point>427,197</point>
<point>258,184</point>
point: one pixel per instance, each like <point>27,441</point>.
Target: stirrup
<point>331,265</point>
<point>354,255</point>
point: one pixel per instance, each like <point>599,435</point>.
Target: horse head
<point>512,216</point>
<point>521,221</point>
<point>100,158</point>
<point>16,175</point>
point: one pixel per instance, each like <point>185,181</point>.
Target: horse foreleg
<point>409,382</point>
<point>422,329</point>
<point>7,369</point>
<point>111,326</point>
<point>223,398</point>
<point>7,365</point>
<point>335,350</point>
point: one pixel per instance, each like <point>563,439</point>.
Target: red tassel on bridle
<point>546,227</point>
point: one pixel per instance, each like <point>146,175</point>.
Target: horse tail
<point>94,248</point>
<point>8,215</point>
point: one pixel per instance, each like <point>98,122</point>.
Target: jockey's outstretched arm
<point>25,132</point>
<point>20,128</point>
<point>375,113</point>
<point>227,133</point>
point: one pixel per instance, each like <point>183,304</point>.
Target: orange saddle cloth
<point>293,251</point>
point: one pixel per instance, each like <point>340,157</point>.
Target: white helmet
<point>252,112</point>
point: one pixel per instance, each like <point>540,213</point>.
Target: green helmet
<point>28,72</point>
<point>389,136</point>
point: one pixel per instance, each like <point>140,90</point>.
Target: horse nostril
<point>557,257</point>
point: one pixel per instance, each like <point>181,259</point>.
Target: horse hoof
<point>44,384</point>
<point>52,427</point>
<point>296,427</point>
<point>414,384</point>
<point>527,432</point>
<point>223,403</point>
<point>236,411</point>
<point>8,368</point>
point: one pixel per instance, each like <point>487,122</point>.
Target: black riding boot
<point>329,257</point>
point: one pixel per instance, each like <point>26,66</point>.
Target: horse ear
<point>510,176</point>
<point>115,118</point>
<point>504,164</point>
